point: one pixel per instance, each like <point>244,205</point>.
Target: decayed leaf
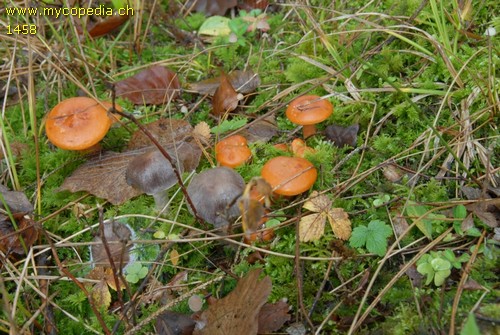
<point>342,136</point>
<point>173,323</point>
<point>243,82</point>
<point>155,85</point>
<point>100,294</point>
<point>273,316</point>
<point>248,5</point>
<point>311,227</point>
<point>340,223</point>
<point>10,241</point>
<point>16,201</point>
<point>174,257</point>
<point>238,312</point>
<point>166,131</point>
<point>106,274</point>
<point>104,177</point>
<point>225,98</point>
<point>117,235</point>
<point>261,131</point>
<point>211,7</point>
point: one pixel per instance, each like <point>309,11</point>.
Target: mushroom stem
<point>161,200</point>
<point>308,131</point>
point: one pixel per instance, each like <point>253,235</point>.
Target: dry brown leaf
<point>166,131</point>
<point>261,131</point>
<point>273,316</point>
<point>340,223</point>
<point>311,227</point>
<point>10,241</point>
<point>238,312</point>
<point>248,5</point>
<point>104,177</point>
<point>243,82</point>
<point>106,274</point>
<point>173,323</point>
<point>155,85</point>
<point>107,25</point>
<point>342,136</point>
<point>211,7</point>
<point>225,98</point>
<point>100,294</point>
<point>117,235</point>
<point>16,201</point>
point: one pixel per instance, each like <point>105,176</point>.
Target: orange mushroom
<point>232,151</point>
<point>289,175</point>
<point>307,111</point>
<point>77,123</point>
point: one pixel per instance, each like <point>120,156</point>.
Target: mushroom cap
<point>151,173</point>
<point>77,123</point>
<point>289,175</point>
<point>309,109</point>
<point>232,151</point>
<point>214,193</point>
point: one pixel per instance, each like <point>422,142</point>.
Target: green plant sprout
<point>437,265</point>
<point>136,272</point>
<point>374,237</point>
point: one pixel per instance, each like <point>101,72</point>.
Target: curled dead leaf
<point>225,98</point>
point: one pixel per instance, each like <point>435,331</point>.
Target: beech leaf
<point>238,312</point>
<point>225,98</point>
<point>155,85</point>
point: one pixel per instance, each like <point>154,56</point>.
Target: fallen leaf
<point>202,131</point>
<point>17,202</point>
<point>238,312</point>
<point>106,274</point>
<point>261,131</point>
<point>155,85</point>
<point>14,241</point>
<point>165,130</point>
<point>248,5</point>
<point>174,257</point>
<point>104,177</point>
<point>243,82</point>
<point>311,227</point>
<point>215,26</point>
<point>211,7</point>
<point>107,25</point>
<point>117,235</point>
<point>173,323</point>
<point>340,223</point>
<point>273,316</point>
<point>341,136</point>
<point>100,294</point>
<point>225,98</point>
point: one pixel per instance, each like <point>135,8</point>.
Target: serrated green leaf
<point>229,125</point>
<point>358,237</point>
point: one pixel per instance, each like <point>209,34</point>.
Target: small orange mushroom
<point>232,151</point>
<point>77,123</point>
<point>289,176</point>
<point>307,111</point>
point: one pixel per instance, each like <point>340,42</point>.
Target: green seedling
<point>437,265</point>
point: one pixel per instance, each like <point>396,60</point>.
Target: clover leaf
<point>135,272</point>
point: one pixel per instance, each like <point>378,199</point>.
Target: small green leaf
<point>215,26</point>
<point>132,278</point>
<point>229,125</point>
<point>460,212</point>
<point>426,270</point>
<point>159,234</point>
<point>439,264</point>
<point>143,272</point>
<point>358,237</point>
<point>470,326</point>
<point>374,237</point>
<point>441,276</point>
